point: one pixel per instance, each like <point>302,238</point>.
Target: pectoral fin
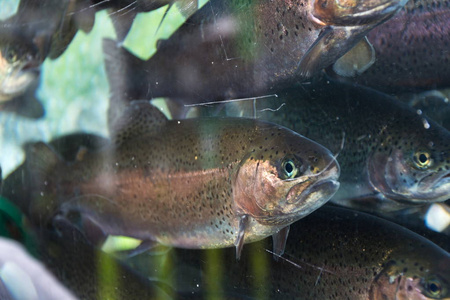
<point>279,242</point>
<point>331,44</point>
<point>357,60</point>
<point>243,223</point>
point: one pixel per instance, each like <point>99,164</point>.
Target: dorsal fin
<point>139,118</point>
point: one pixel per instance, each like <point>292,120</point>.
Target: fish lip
<point>328,176</point>
<point>439,186</point>
<point>375,14</point>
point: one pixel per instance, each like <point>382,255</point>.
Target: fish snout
<point>354,13</point>
<point>322,186</point>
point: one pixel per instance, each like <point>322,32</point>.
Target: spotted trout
<point>19,62</point>
<point>392,156</point>
<point>200,183</point>
<point>234,49</point>
<point>404,58</point>
<point>334,253</point>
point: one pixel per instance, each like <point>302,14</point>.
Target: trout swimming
<point>392,157</point>
<point>235,49</point>
<point>404,59</point>
<point>19,62</point>
<point>200,183</point>
<point>334,253</point>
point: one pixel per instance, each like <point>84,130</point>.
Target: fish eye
<point>11,56</point>
<point>422,159</point>
<point>289,168</point>
<point>433,287</point>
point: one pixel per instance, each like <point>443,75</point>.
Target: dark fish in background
<point>199,183</point>
<point>234,49</point>
<point>86,271</point>
<point>434,104</point>
<point>90,273</point>
<point>412,49</point>
<point>392,157</point>
<point>334,253</point>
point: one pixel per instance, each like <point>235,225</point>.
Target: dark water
<point>79,165</point>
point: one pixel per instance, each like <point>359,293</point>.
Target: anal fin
<point>279,242</point>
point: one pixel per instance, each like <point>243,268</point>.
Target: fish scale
<point>334,253</point>
<point>236,49</point>
<point>199,183</point>
<point>411,49</point>
<point>383,142</point>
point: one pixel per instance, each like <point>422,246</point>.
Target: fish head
<point>17,55</point>
<point>418,275</point>
<point>285,178</point>
<point>415,169</point>
<point>19,61</point>
<point>353,12</point>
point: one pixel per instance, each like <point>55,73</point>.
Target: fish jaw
<point>270,200</point>
<point>353,13</point>
<point>397,180</point>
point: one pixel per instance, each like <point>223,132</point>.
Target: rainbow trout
<point>392,155</point>
<point>19,60</point>
<point>199,183</point>
<point>233,49</point>
<point>404,58</point>
<point>334,253</point>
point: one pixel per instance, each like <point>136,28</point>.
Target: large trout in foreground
<point>199,183</point>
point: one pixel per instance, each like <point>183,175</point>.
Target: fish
<point>334,253</point>
<point>404,59</point>
<point>235,49</point>
<point>63,264</point>
<point>393,157</point>
<point>199,183</point>
<point>36,31</point>
<point>19,61</point>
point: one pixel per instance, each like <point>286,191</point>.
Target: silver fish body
<point>200,183</point>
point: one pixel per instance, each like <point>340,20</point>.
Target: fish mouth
<point>396,182</point>
<point>436,187</point>
<point>306,200</point>
<point>357,15</point>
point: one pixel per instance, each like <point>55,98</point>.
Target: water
<point>75,92</point>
